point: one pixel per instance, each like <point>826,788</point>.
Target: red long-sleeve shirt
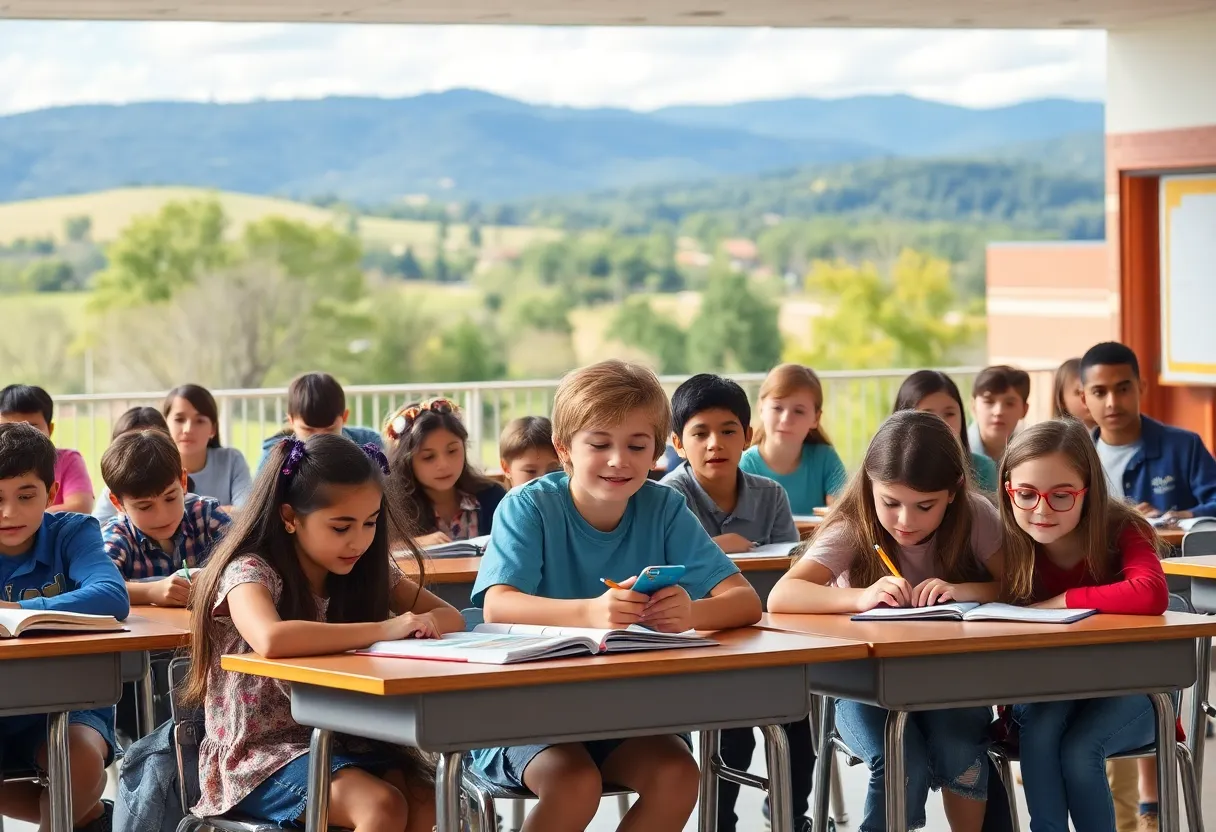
<point>1140,589</point>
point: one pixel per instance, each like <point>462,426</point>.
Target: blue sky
<point>57,63</point>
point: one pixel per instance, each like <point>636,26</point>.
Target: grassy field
<point>112,211</point>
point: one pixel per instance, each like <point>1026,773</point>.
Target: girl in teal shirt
<point>935,392</point>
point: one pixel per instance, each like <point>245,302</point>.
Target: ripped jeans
<point>942,750</point>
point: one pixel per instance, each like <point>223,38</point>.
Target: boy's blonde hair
<point>602,396</point>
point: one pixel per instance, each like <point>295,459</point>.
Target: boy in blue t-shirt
<point>52,562</point>
<point>553,541</point>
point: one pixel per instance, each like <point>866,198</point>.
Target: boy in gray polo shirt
<point>711,427</point>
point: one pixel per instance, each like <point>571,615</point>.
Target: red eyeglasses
<point>1058,499</point>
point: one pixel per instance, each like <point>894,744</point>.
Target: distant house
<point>693,259</point>
<point>742,253</point>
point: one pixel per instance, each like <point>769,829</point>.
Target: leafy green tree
<point>409,267</point>
<point>157,255</point>
<point>51,275</point>
<point>78,229</point>
<point>907,319</point>
<point>636,324</point>
<point>736,329</point>
<point>465,351</point>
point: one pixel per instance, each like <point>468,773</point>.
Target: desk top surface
<point>178,617</point>
<point>749,647</point>
<point>141,634</point>
<point>890,639</point>
<point>464,570</point>
<point>1203,566</point>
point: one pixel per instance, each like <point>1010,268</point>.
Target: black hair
<point>138,418</point>
<point>25,449</point>
<point>141,464</point>
<point>924,383</point>
<point>26,398</point>
<point>405,492</point>
<point>317,398</point>
<point>200,399</point>
<point>1109,353</point>
<point>706,391</point>
<point>258,530</point>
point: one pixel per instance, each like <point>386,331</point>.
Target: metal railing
<point>855,403</point>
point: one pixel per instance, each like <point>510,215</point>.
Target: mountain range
<point>468,144</point>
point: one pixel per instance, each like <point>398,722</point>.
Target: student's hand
<point>669,610</point>
<point>618,607</point>
<point>1057,603</point>
<point>1175,516</point>
<point>409,625</point>
<point>1147,510</point>
<point>894,592</point>
<point>9,605</point>
<point>933,591</point>
<point>733,544</point>
<point>433,539</point>
<point>173,591</point>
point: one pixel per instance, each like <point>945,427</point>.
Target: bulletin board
<point>1188,279</point>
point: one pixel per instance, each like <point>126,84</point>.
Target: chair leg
<point>840,812</point>
<point>1005,772</point>
<point>517,815</point>
<point>488,814</point>
<point>1190,789</point>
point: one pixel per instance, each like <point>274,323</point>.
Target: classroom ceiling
<point>1037,14</point>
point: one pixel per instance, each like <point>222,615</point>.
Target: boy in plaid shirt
<point>163,531</point>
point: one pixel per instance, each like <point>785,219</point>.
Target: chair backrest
<point>1200,540</point>
<point>188,728</point>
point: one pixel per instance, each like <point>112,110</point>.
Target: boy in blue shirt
<point>52,562</point>
<point>552,542</point>
<point>710,429</point>
<point>316,403</point>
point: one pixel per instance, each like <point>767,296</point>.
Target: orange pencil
<point>612,584</point>
<point>887,561</point>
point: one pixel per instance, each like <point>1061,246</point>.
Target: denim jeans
<point>1064,746</point>
<point>942,749</point>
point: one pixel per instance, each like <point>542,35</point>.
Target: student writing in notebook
<point>553,541</point>
<point>305,571</point>
<point>710,419</point>
<point>1069,544</point>
<point>912,497</point>
<point>52,562</point>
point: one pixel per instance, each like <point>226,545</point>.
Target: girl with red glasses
<point>1068,543</point>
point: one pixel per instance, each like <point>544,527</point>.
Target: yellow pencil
<point>887,561</point>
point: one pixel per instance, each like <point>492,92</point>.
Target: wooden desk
<point>56,674</point>
<point>924,665</point>
<point>178,617</point>
<point>1172,536</point>
<point>754,677</point>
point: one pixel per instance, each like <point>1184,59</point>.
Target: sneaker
<point>103,822</point>
<point>1148,822</point>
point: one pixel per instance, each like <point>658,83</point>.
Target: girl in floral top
<point>440,495</point>
<point>306,571</point>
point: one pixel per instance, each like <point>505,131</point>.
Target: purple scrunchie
<point>295,455</point>
<point>373,451</point>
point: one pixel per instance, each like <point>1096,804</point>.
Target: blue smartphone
<point>654,578</point>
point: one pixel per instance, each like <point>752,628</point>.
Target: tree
<point>908,319</point>
<point>636,324</point>
<point>736,329</point>
<point>78,229</point>
<point>409,267</point>
<point>51,275</point>
<point>465,351</point>
<point>475,234</point>
<point>157,255</point>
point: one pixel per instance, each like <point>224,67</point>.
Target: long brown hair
<point>785,380</point>
<point>361,595</point>
<point>200,399</point>
<point>1103,518</point>
<point>1066,372</point>
<point>920,451</point>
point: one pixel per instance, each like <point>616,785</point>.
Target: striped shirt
<point>138,556</point>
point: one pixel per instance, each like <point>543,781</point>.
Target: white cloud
<point>55,63</point>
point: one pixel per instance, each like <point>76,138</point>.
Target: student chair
<point>481,795</point>
<point>20,776</point>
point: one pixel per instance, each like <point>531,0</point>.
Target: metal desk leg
<point>1167,763</point>
<point>826,762</point>
<point>707,800</point>
<point>59,771</point>
<point>1199,699</point>
<point>320,761</point>
<point>780,791</point>
<point>894,776</point>
<point>840,812</point>
<point>146,701</point>
<point>447,792</point>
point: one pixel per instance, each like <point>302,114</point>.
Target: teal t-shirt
<point>985,473</point>
<point>820,474</point>
<point>542,546</point>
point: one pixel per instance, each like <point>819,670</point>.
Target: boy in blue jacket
<point>52,562</point>
<point>316,403</point>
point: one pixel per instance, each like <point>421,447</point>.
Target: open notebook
<point>962,611</point>
<point>14,623</point>
<point>510,643</point>
<point>474,547</point>
<point>768,550</point>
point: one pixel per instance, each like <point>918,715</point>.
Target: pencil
<point>887,561</point>
<point>612,584</point>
